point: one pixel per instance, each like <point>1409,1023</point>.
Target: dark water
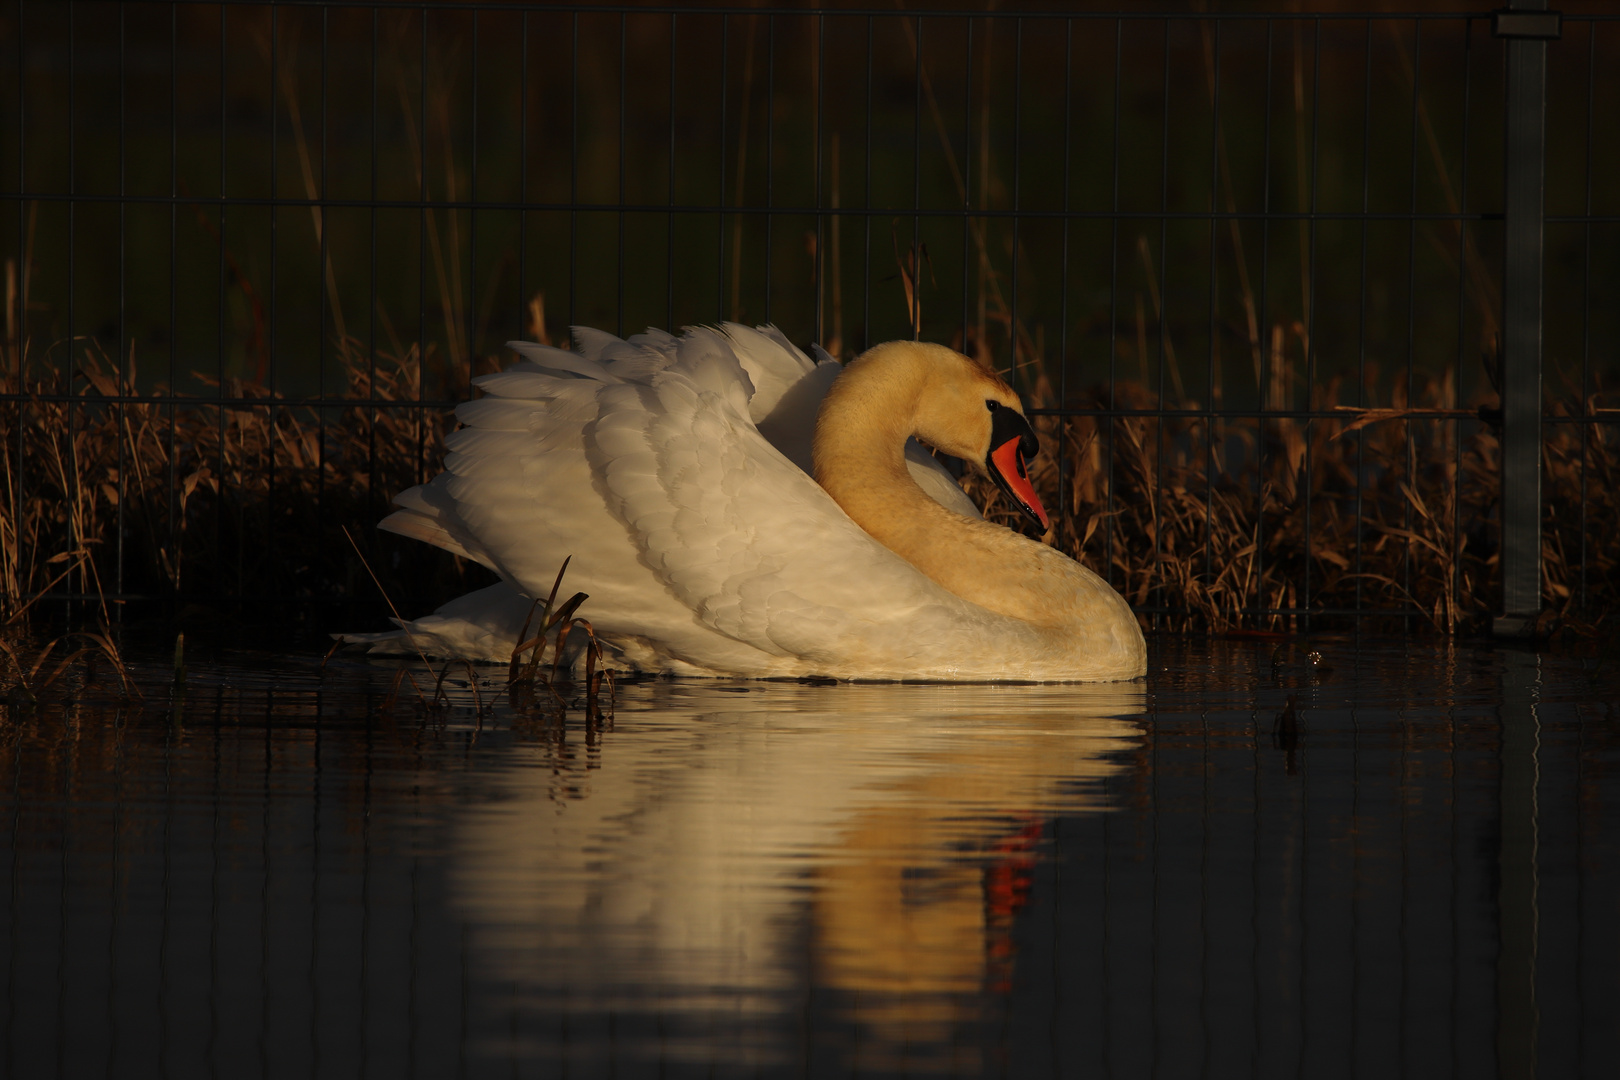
<point>1413,874</point>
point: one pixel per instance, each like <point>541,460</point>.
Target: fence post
<point>1527,26</point>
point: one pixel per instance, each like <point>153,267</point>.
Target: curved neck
<point>859,456</point>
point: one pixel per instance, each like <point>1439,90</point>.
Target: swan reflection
<point>739,852</point>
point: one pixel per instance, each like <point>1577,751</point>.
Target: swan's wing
<point>516,493</point>
<point>937,482</point>
<point>774,365</point>
<point>783,390</point>
<point>515,486</point>
<point>597,355</point>
<point>686,525</point>
<point>740,534</point>
<point>788,389</point>
<point>520,493</point>
<point>481,625</point>
<point>790,425</point>
<point>424,514</point>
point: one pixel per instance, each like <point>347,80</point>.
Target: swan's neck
<point>860,460</point>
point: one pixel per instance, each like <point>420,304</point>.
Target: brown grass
<point>1206,528</point>
<point>27,674</point>
<point>1202,528</point>
<point>244,496</point>
<point>1202,524</point>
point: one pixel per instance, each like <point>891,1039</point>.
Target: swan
<point>733,507</point>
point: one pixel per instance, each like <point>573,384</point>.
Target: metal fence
<point>1308,304</point>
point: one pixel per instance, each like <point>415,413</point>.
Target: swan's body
<point>677,474</point>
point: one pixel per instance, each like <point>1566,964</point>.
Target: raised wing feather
<point>675,473</point>
<point>740,534</point>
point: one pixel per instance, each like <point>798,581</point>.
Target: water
<point>275,875</point>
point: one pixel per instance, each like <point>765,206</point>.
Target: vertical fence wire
<point>669,217</point>
<point>1018,161</point>
<point>219,304</point>
<point>120,410</point>
<point>818,269</point>
<point>619,218</point>
<point>1211,423</point>
<point>1113,309</point>
<point>1462,326</point>
<point>1063,275</point>
<point>964,187</point>
<point>866,201</point>
<point>272,367</point>
<point>770,158</point>
<point>1586,302</point>
<point>75,541</point>
<point>470,316</point>
<point>1361,309</point>
<point>1266,374</point>
<point>169,410</point>
<point>539,330</point>
<point>1308,300</point>
<point>1411,288</point>
<point>14,446</point>
<point>1162,271</point>
<point>914,258</point>
<point>326,295</point>
<point>573,173</point>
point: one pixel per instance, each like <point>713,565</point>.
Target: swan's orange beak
<point>1005,464</point>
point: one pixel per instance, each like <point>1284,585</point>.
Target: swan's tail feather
<point>419,519</point>
<point>555,361</point>
<point>483,625</point>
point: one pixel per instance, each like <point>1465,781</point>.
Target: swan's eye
<point>992,404</point>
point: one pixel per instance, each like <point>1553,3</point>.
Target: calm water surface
<point>1404,866</point>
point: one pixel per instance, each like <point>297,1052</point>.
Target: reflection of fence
<point>1249,269</point>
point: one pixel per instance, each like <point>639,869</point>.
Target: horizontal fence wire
<point>1065,16</point>
<point>677,208</point>
<point>1245,268</point>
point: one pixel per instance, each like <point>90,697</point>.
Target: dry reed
<point>243,496</point>
<point>1237,524</point>
<point>1203,526</point>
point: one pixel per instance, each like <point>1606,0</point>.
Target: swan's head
<point>959,408</point>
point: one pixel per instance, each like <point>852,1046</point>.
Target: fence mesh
<point>1247,270</point>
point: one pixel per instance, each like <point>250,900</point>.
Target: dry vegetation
<point>195,486</point>
<point>1201,529</point>
<point>242,498</point>
<point>1207,527</point>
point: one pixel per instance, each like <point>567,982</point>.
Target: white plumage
<point>676,474</point>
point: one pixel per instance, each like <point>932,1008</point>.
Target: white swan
<point>677,474</point>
